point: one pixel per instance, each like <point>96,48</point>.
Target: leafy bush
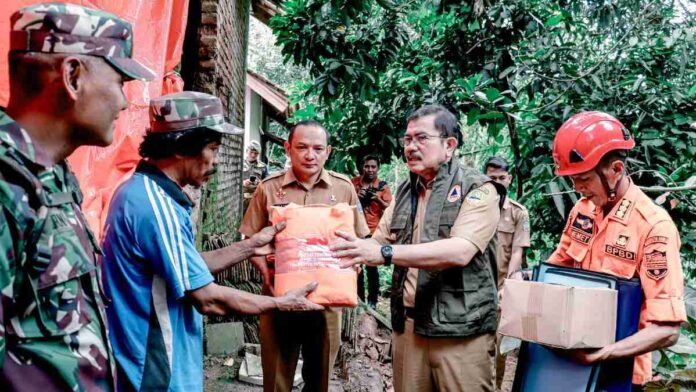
<point>514,71</point>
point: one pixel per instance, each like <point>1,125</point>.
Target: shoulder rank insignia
<point>623,208</point>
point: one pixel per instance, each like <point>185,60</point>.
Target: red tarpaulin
<point>159,27</point>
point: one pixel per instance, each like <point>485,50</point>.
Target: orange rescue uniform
<point>636,238</point>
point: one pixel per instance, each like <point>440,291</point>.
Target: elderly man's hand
<point>296,300</point>
<point>261,240</point>
<point>358,251</point>
<point>262,266</point>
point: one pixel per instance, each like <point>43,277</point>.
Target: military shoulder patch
<point>454,194</point>
<point>656,264</point>
<point>475,197</point>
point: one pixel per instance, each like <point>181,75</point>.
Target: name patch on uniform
<point>656,240</point>
<point>620,253</point>
<point>656,264</point>
<point>454,194</point>
<point>583,225</point>
<point>580,237</point>
<point>280,204</point>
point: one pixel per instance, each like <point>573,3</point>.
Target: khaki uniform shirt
<point>476,222</point>
<point>513,231</point>
<point>282,188</point>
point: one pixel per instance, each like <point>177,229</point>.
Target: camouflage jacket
<point>52,323</point>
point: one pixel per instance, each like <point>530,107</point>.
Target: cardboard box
<point>560,316</point>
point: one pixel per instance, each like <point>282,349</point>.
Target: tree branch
<point>647,189</point>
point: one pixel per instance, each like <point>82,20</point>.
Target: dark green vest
<point>458,301</point>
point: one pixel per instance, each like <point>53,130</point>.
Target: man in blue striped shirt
<point>157,282</point>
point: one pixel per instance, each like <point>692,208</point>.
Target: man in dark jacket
<point>440,235</point>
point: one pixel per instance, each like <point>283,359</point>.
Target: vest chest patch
<point>454,194</point>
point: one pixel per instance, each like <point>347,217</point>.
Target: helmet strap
<point>611,191</point>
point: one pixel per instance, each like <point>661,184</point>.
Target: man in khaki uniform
<point>440,234</point>
<point>513,239</point>
<point>513,229</point>
<point>253,171</point>
<point>316,334</point>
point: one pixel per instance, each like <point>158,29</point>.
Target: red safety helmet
<point>585,138</point>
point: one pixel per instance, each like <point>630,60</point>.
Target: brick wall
<point>214,61</point>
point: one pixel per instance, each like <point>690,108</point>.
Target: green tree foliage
<point>514,70</point>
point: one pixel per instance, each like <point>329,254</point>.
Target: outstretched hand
<point>296,300</point>
<point>261,240</point>
<point>357,251</point>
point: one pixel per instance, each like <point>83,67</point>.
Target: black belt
<point>411,313</point>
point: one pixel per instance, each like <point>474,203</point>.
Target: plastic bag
<point>303,255</point>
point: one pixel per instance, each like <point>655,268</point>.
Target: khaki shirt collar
<point>290,178</point>
<point>506,203</point>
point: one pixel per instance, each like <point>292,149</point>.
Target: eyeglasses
<point>420,139</point>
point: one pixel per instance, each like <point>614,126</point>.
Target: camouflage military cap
<point>73,29</point>
<point>189,110</point>
<point>254,145</point>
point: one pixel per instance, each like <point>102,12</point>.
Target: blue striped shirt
<point>150,262</point>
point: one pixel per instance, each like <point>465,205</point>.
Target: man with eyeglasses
<point>440,235</point>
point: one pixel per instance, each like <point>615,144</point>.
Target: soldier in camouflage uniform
<point>67,65</point>
<point>254,171</point>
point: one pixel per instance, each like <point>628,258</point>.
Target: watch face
<point>387,251</point>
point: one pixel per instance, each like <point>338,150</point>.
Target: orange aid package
<point>303,256</point>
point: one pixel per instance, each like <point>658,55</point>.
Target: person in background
<point>375,196</point>
<point>253,171</point>
<point>513,239</point>
<point>513,228</point>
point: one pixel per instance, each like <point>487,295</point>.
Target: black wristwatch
<point>387,253</point>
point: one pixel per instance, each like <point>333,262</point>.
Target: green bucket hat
<point>188,110</point>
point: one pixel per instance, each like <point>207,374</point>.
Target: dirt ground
<point>363,365</point>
